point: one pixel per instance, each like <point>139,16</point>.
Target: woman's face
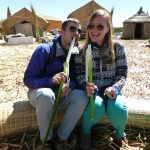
<point>97,29</point>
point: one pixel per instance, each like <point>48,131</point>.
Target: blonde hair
<point>108,37</point>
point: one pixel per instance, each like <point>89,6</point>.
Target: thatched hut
<point>83,13</point>
<point>137,26</point>
<point>23,22</point>
<point>53,23</point>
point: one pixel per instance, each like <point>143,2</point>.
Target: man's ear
<point>62,32</point>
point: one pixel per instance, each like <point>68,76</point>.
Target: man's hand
<point>110,93</point>
<point>59,77</point>
<point>65,90</point>
<point>90,88</point>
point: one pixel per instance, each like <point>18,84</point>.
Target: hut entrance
<point>24,28</point>
<point>138,31</point>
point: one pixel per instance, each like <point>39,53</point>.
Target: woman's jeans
<point>74,105</point>
<point>116,111</point>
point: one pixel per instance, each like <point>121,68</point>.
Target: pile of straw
<point>139,139</point>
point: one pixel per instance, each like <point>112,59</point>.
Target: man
<point>43,76</point>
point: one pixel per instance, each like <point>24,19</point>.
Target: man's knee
<point>79,97</point>
<point>45,97</point>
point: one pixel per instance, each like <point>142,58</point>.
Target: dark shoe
<point>48,146</point>
<point>85,142</point>
<point>120,143</point>
<point>70,144</point>
<point>63,145</point>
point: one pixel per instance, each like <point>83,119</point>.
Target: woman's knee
<point>99,106</point>
<point>117,107</point>
<point>99,112</point>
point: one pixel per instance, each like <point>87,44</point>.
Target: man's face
<point>72,30</point>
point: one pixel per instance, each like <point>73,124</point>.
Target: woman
<point>109,76</point>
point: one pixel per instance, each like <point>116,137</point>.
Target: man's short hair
<point>66,22</point>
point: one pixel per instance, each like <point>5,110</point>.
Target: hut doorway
<point>138,34</point>
<point>24,28</point>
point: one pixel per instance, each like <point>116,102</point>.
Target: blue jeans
<point>74,105</point>
<point>116,112</point>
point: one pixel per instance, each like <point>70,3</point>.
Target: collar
<point>61,51</point>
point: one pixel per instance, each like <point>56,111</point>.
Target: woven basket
<point>17,117</point>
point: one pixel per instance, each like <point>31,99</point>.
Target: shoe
<point>63,145</point>
<point>48,146</point>
<point>85,142</point>
<point>69,144</point>
<point>120,143</point>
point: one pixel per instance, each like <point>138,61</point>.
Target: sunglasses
<point>99,27</point>
<point>74,29</point>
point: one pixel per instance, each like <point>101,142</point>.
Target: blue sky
<point>123,9</point>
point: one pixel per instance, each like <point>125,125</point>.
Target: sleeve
<point>34,74</point>
<point>80,71</point>
<point>121,67</point>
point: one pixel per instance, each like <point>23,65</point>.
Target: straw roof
<point>140,16</point>
<point>53,23</point>
<point>21,16</point>
<point>83,13</point>
<point>137,26</point>
<point>49,18</point>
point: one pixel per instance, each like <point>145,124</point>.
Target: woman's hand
<point>110,92</point>
<point>90,88</point>
<point>59,77</point>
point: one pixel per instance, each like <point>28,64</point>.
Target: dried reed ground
<point>14,60</point>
